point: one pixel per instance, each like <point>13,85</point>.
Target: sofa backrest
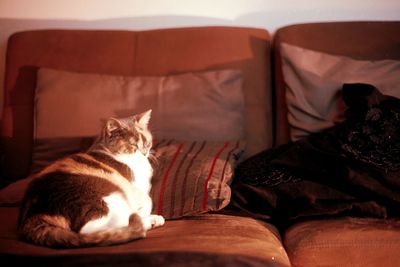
<point>358,40</point>
<point>153,52</point>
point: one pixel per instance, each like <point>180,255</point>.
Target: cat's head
<point>373,125</point>
<point>128,135</point>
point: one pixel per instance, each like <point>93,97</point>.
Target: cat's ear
<point>112,125</point>
<point>144,118</point>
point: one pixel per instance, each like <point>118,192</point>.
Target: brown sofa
<point>219,237</point>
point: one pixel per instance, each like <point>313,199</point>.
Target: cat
<point>95,198</point>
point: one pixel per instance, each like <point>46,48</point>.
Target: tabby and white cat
<point>99,197</point>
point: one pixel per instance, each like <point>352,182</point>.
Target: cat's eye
<point>132,141</point>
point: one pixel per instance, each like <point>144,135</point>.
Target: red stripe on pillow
<point>188,170</point>
<point>205,192</point>
<point>175,180</point>
<point>165,176</point>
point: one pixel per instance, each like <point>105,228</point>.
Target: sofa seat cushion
<point>344,242</point>
<point>203,240</point>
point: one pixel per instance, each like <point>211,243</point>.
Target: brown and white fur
<point>96,198</point>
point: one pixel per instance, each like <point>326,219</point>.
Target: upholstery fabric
<point>71,104</point>
<point>346,242</point>
<point>193,177</point>
<point>205,240</point>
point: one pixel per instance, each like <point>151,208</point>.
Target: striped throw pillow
<point>193,177</point>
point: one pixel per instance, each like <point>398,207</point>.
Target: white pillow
<point>71,106</point>
<point>313,82</point>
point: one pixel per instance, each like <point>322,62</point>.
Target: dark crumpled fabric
<point>352,169</point>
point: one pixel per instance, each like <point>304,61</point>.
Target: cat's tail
<point>54,231</point>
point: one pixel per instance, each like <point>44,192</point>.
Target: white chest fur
<point>141,167</point>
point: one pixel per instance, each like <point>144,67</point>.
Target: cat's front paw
<point>157,220</point>
<point>153,221</point>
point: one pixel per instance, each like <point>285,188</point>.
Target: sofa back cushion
<point>131,53</point>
